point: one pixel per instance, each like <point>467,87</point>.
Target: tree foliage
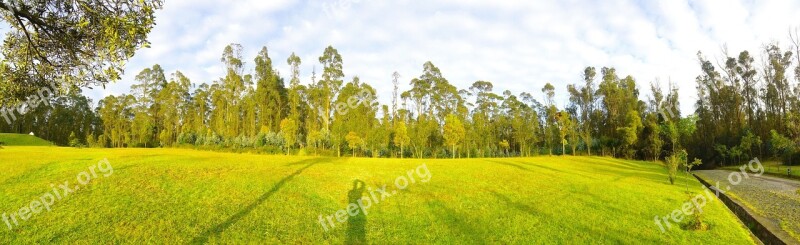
<point>743,110</point>
<point>70,43</point>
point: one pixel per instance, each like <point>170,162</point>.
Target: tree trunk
<point>454,151</point>
<point>589,149</point>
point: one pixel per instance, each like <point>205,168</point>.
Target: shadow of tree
<point>460,225</point>
<point>213,231</point>
<point>356,225</point>
<point>539,210</point>
<point>511,165</point>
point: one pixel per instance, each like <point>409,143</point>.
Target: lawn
<point>187,196</point>
<point>22,140</point>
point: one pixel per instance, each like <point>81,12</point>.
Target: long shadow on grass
<point>31,173</point>
<point>540,166</point>
<point>216,230</point>
<point>356,225</point>
<point>543,218</point>
<point>517,166</point>
<point>458,224</point>
<point>518,206</point>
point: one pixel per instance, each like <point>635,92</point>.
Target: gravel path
<point>774,198</point>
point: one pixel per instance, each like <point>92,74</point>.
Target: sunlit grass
<point>22,140</point>
<point>186,196</point>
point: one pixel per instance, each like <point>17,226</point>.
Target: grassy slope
<point>180,196</point>
<point>22,140</point>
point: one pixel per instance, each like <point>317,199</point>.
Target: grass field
<point>187,196</point>
<point>22,140</point>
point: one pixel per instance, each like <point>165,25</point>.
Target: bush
<point>187,138</point>
<point>695,221</point>
<point>673,162</point>
<point>213,139</point>
<point>74,141</point>
<point>302,152</point>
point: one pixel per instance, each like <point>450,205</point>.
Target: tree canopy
<point>743,110</point>
<point>69,43</point>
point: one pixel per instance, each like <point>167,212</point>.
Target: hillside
<point>22,140</point>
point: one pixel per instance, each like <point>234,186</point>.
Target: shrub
<point>187,138</point>
<point>74,141</point>
<point>695,221</point>
<point>673,162</point>
<point>302,152</point>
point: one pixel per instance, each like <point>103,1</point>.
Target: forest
<point>745,109</point>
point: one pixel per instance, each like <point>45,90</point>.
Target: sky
<point>516,45</point>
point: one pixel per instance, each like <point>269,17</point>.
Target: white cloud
<point>517,45</point>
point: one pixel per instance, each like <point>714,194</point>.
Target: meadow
<point>189,196</point>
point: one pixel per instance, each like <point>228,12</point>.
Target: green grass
<point>772,168</point>
<point>187,196</point>
<point>22,140</point>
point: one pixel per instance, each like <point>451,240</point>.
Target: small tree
<point>454,132</point>
<point>91,141</point>
<point>673,162</point>
<point>564,128</point>
<point>696,223</point>
<point>723,152</point>
<point>314,137</point>
<point>401,136</point>
<point>782,147</point>
<point>689,166</point>
<point>73,140</point>
<point>504,145</point>
<point>289,132</point>
<point>354,141</point>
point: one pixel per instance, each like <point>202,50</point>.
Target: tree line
<point>744,109</point>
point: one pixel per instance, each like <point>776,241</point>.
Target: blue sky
<point>517,45</point>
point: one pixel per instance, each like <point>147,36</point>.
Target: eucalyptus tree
<point>331,82</point>
<point>454,132</point>
<point>550,113</point>
<point>270,92</point>
<point>584,100</point>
